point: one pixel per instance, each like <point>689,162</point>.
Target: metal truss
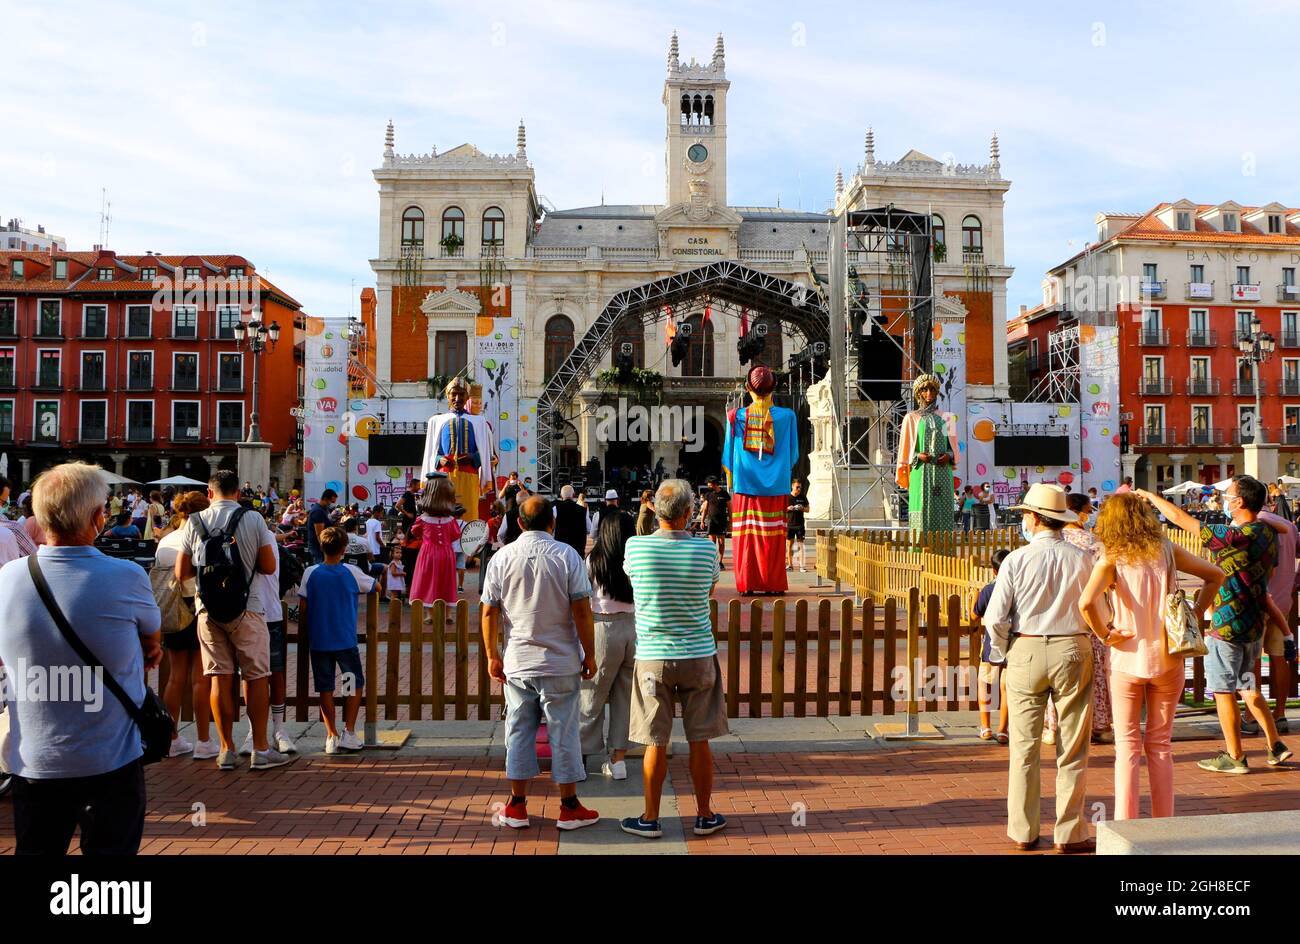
<point>1061,383</point>
<point>882,280</point>
<point>726,281</point>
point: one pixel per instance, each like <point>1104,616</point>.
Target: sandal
<point>1004,738</point>
<point>986,734</point>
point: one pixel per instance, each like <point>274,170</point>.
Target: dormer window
<point>1275,223</point>
<point>18,268</point>
<point>148,273</point>
<point>1230,222</point>
<point>106,273</point>
<point>60,270</point>
<point>192,274</point>
<point>237,272</point>
<point>1184,221</point>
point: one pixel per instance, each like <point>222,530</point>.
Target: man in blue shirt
<point>318,519</point>
<point>73,749</point>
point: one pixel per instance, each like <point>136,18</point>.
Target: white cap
<point>611,494</point>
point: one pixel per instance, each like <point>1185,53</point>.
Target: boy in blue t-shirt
<point>327,609</point>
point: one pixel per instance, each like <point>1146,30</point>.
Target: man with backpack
<point>224,548</point>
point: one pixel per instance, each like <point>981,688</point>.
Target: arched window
<point>774,344</point>
<point>708,109</point>
<point>685,117</point>
<point>699,356</point>
<point>494,227</point>
<point>972,236</point>
<point>629,331</point>
<point>413,227</point>
<point>938,231</point>
<point>453,225</point>
<point>559,342</point>
<point>697,109</point>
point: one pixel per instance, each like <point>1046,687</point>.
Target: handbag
<point>1183,636</point>
<point>151,717</point>
<point>177,612</point>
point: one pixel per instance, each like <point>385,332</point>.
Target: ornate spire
<point>839,181</point>
<point>871,147</point>
<point>521,150</point>
<point>388,139</point>
<point>673,62</point>
<point>995,154</point>
<point>719,54</point>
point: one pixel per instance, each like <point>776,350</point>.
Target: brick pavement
<point>907,799</point>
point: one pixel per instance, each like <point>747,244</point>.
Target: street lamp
<point>1256,347</point>
<point>259,336</point>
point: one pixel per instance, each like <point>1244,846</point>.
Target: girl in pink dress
<point>435,568</point>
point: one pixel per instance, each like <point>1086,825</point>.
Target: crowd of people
<point>1077,632</point>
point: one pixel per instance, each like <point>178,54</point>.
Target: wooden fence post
<point>393,659</point>
<point>372,668</point>
<point>755,659</point>
<point>778,659</point>
<point>823,658</point>
<point>801,659</point>
<point>733,659</point>
<point>415,709</point>
<point>846,657</point>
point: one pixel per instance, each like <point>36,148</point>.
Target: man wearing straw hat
<point>1033,621</point>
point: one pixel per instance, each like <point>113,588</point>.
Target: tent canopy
<point>112,478</point>
<point>1184,488</point>
<point>179,480</point>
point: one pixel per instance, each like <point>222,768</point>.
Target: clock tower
<point>695,104</point>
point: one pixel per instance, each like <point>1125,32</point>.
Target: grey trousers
<point>1036,667</point>
<point>611,686</point>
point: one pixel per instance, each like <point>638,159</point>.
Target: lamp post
<point>259,336</point>
<point>1256,347</point>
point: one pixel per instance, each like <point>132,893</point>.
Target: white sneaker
<point>265,760</point>
<point>180,747</point>
<point>331,744</point>
<point>349,741</point>
<point>617,769</point>
<point>284,744</point>
<point>206,750</point>
<point>1049,736</point>
<point>247,747</point>
<point>803,570</point>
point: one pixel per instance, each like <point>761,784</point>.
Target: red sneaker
<point>577,817</point>
<point>515,815</point>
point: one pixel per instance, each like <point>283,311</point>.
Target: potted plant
<point>940,251</point>
<point>643,385</point>
<point>451,243</point>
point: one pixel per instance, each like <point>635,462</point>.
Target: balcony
<point>139,384</point>
<point>226,386</point>
<point>1154,337</point>
<point>48,383</point>
<point>1155,386</point>
<point>1032,362</point>
<point>1200,291</point>
<point>1154,288</point>
<point>1289,339</point>
<point>1202,337</point>
<point>185,434</point>
<point>1156,436</point>
<point>9,378</point>
<point>1204,437</point>
<point>93,434</point>
<point>1242,438</point>
<point>1203,387</point>
<point>139,434</point>
<point>1246,388</point>
<point>1245,291</point>
<point>8,330</point>
<point>1291,436</point>
<point>972,257</point>
<point>185,386</point>
<point>229,434</point>
<point>91,385</point>
<point>1288,293</point>
<point>457,252</point>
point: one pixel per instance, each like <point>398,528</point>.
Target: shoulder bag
<point>1183,636</point>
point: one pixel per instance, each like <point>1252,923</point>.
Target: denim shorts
<point>1230,666</point>
<point>324,664</point>
<point>279,645</point>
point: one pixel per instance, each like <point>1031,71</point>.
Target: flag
<point>707,313</point>
<point>744,322</point>
<point>670,328</point>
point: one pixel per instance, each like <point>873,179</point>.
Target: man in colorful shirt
<point>1246,551</point>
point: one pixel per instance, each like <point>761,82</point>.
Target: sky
<point>253,127</point>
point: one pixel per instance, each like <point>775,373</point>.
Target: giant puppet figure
<point>460,445</point>
<point>927,455</point>
<point>759,451</point>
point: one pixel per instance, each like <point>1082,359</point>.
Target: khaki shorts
<point>696,683</point>
<point>1274,641</point>
<point>246,641</point>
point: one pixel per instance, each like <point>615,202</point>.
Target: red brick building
<point>131,362</point>
<point>1183,281</point>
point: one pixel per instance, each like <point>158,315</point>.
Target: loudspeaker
<point>880,367</point>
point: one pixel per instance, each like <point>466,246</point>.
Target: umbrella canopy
<point>1288,480</point>
<point>1222,486</point>
<point>1183,488</point>
<point>179,480</point>
<point>112,478</point>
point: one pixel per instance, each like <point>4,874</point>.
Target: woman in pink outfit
<point>435,567</point>
<point>1140,566</point>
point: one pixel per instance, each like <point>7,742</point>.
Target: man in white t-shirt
<point>375,532</point>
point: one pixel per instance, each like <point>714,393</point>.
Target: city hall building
<point>466,249</point>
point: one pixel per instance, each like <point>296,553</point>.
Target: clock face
<point>698,153</point>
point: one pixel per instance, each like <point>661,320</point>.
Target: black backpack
<point>222,583</point>
<point>291,571</point>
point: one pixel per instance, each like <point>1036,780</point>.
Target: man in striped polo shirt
<point>673,575</point>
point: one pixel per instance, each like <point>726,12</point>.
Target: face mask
<point>1024,528</point>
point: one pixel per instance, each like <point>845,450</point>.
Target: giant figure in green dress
<point>927,456</point>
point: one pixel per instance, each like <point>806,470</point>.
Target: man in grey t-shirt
<point>244,640</point>
<point>539,589</point>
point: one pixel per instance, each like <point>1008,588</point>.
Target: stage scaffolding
<point>1061,382</point>
<point>881,283</point>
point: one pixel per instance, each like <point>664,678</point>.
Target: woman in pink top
<point>1137,565</point>
<point>435,567</point>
